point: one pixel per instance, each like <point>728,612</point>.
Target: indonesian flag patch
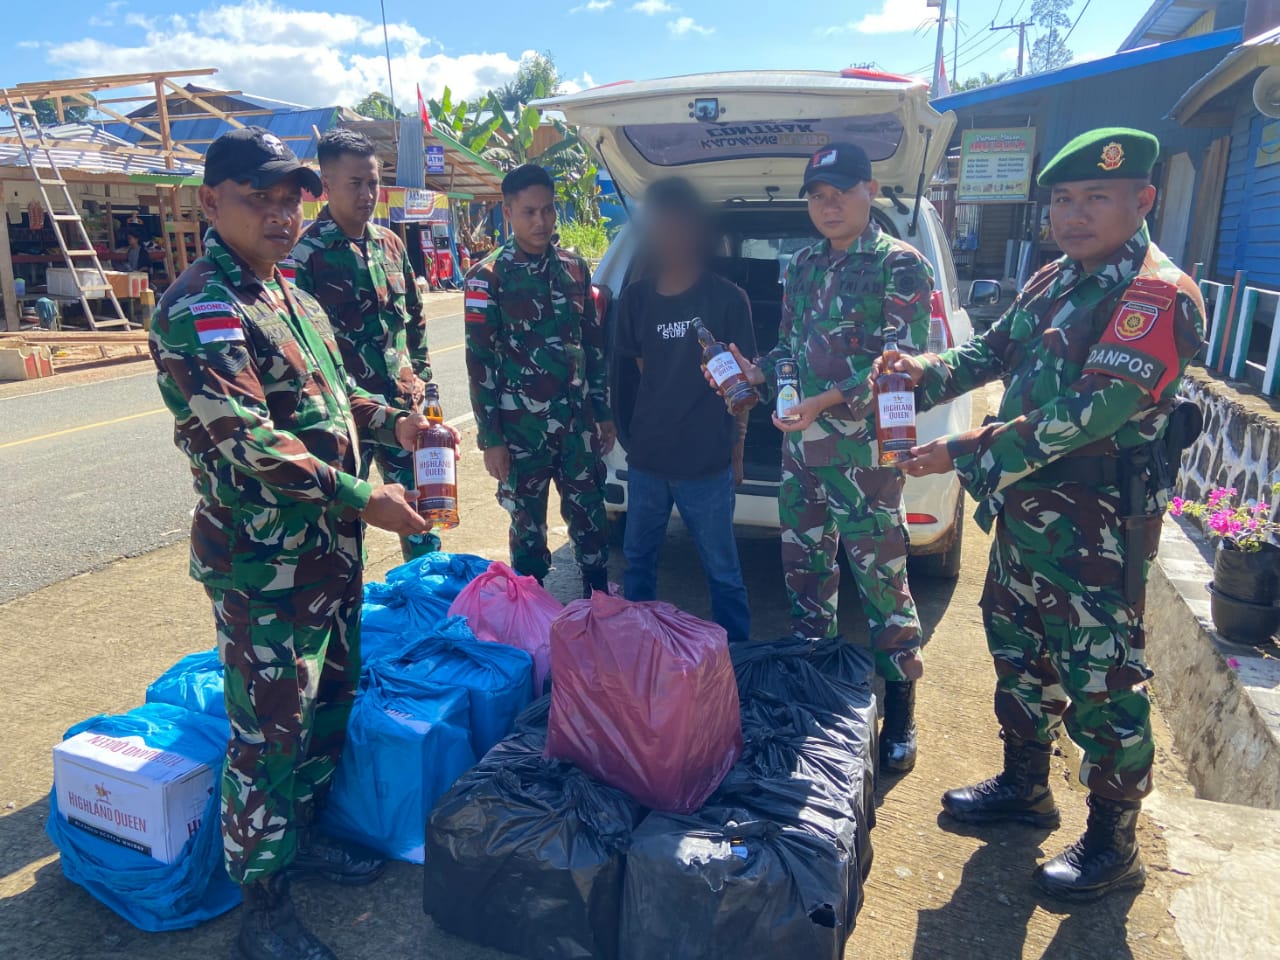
<point>222,326</point>
<point>289,269</point>
<point>477,301</point>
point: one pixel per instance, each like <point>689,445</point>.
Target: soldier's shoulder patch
<point>1139,344</point>
<point>476,302</point>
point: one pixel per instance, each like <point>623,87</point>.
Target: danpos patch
<point>1135,320</point>
<point>1126,363</point>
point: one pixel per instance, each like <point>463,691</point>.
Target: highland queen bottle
<point>731,381</point>
<point>895,407</point>
<point>435,467</point>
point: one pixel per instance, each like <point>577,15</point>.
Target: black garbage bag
<point>831,674</point>
<point>535,716</point>
<point>725,884</point>
<point>527,855</point>
<point>787,740</point>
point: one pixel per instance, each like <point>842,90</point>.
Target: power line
<point>996,15</point>
<point>979,54</point>
<point>965,47</point>
<point>1083,10</point>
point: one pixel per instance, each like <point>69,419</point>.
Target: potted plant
<point>1246,567</point>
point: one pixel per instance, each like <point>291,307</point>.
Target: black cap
<point>843,165</point>
<point>257,156</point>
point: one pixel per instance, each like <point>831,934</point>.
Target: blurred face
<point>842,215</point>
<point>351,183</point>
<point>1091,220</point>
<point>531,214</point>
<point>260,224</point>
<point>674,240</point>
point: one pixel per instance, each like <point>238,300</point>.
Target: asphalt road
<point>89,473</point>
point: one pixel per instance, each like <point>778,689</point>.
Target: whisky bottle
<point>435,467</point>
<point>730,380</point>
<point>788,374</point>
<point>895,407</point>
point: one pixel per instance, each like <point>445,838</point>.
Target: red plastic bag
<point>503,607</point>
<point>644,699</point>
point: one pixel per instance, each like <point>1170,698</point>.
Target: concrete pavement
<point>89,473</point>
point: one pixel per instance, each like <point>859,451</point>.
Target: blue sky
<point>322,52</point>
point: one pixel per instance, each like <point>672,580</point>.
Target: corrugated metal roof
<point>291,126</point>
<point>1164,19</point>
<point>87,148</point>
<point>1254,54</point>
<point>1126,60</point>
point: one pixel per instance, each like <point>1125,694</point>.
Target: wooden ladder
<point>78,254</point>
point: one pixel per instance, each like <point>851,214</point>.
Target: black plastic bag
<point>535,716</point>
<point>724,883</point>
<point>527,855</point>
<point>829,674</point>
<point>789,741</point>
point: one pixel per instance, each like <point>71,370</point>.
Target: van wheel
<point>946,565</point>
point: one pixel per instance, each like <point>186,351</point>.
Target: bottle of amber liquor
<point>435,467</point>
<point>729,378</point>
<point>895,407</point>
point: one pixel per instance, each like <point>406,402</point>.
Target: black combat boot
<point>269,928</point>
<point>346,864</point>
<point>898,734</point>
<point>1104,859</point>
<point>593,579</point>
<point>1018,793</point>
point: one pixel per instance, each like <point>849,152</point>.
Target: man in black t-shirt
<point>684,447</point>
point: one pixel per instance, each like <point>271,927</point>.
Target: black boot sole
<point>339,879</point>
<point>899,769</point>
<point>982,818</point>
<point>1134,880</point>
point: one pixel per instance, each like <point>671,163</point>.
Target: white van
<point>743,139</point>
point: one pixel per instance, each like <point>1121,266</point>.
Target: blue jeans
<point>706,507</point>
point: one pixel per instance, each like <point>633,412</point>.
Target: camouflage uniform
<point>270,421</point>
<point>834,310</point>
<point>535,357</point>
<point>1068,647</point>
<point>372,302</point>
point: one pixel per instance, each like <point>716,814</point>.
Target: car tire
<point>945,565</point>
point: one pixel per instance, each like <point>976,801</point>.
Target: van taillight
<point>921,519</point>
<point>601,297</point>
<point>940,337</point>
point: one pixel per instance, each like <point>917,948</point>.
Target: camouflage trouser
<point>572,459</point>
<point>291,662</point>
<point>1068,648</point>
<point>820,507</point>
<point>396,466</point>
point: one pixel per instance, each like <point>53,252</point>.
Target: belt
<point>1091,471</point>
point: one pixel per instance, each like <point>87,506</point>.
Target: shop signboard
<point>995,165</point>
<point>435,159</point>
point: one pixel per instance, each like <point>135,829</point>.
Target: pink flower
<point>1175,506</point>
<point>1260,507</point>
<point>1233,663</point>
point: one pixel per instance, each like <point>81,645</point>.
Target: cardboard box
<point>127,285</point>
<point>65,282</point>
<point>122,790</point>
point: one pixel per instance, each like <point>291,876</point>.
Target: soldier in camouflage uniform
<point>1093,351</point>
<point>535,358</point>
<point>840,296</point>
<point>361,275</point>
<point>273,425</point>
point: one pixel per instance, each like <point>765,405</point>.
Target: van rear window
<point>677,144</point>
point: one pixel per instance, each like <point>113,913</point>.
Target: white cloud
<point>107,17</point>
<point>683,25</point>
<point>651,8</point>
<point>895,16</point>
<point>31,44</point>
<point>316,58</point>
<point>1009,54</point>
<point>592,6</point>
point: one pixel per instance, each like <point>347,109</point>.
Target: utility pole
<point>1022,39</point>
<point>955,46</point>
<point>940,53</point>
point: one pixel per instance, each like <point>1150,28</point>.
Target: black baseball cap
<point>843,165</point>
<point>257,156</point>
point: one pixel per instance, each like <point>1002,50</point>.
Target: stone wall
<point>1240,446</point>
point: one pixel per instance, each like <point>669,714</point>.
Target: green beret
<point>1109,153</point>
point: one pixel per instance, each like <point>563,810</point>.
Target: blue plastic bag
<point>402,754</point>
<point>499,678</point>
<point>417,594</point>
<point>194,682</point>
<point>151,895</point>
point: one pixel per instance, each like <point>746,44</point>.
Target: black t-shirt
<point>681,429</point>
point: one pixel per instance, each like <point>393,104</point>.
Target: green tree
<point>378,106</point>
<point>47,113</point>
<point>1053,20</point>
<point>536,77</point>
<point>983,79</point>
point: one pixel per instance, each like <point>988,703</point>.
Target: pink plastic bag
<point>503,607</point>
<point>644,699</point>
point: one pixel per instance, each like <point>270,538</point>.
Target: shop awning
<point>1256,53</point>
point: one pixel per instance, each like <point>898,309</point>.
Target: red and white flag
<point>422,111</point>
